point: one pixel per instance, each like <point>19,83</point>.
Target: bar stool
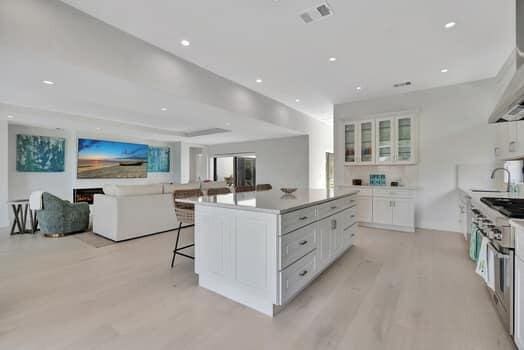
<point>218,190</point>
<point>185,214</point>
<point>244,189</point>
<point>264,187</point>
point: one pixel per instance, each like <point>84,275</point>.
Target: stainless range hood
<point>510,106</point>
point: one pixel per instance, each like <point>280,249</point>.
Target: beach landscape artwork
<point>40,154</point>
<point>100,159</point>
<point>158,160</point>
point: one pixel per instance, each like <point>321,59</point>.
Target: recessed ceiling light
<point>450,25</point>
<point>332,59</point>
<point>358,88</point>
<point>297,100</point>
<point>228,124</point>
<point>444,70</point>
<point>185,42</point>
<point>97,129</point>
<point>258,80</point>
<point>10,117</point>
<point>48,82</point>
<point>163,109</point>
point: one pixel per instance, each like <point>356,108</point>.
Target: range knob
<point>497,234</point>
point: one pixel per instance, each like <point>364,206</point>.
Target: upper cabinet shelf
<point>388,140</point>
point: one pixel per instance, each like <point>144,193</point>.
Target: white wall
<point>453,130</point>
<point>282,162</point>
<point>4,155</point>
<point>61,184</point>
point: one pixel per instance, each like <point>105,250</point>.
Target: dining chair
<point>264,187</point>
<point>217,191</point>
<point>185,213</point>
<point>244,189</point>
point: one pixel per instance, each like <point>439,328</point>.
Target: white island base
<point>261,248</point>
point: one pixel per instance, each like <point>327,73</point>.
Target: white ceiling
<point>376,43</point>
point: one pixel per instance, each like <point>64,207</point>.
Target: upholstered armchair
<point>59,217</point>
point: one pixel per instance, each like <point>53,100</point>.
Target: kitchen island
<point>262,248</point>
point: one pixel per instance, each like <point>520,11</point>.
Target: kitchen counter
<point>492,214</point>
<point>273,201</point>
<point>261,249</point>
<point>382,187</point>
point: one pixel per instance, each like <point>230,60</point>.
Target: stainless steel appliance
<point>502,250</point>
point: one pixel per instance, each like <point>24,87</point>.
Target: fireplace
<point>86,194</point>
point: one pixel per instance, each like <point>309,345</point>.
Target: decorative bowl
<point>288,190</point>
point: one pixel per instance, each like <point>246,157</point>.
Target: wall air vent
<point>406,83</point>
<point>205,132</point>
<point>316,13</point>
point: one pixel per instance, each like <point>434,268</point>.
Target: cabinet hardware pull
<point>353,235</point>
<point>303,242</point>
<point>302,218</point>
<point>303,273</point>
<point>512,146</point>
<point>333,224</point>
<point>333,207</point>
<point>352,216</point>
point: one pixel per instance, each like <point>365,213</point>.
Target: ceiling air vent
<point>316,13</point>
<point>205,132</point>
<point>406,83</point>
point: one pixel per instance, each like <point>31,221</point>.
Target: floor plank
<point>392,290</point>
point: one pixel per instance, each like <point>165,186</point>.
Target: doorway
<point>239,170</point>
<point>330,170</point>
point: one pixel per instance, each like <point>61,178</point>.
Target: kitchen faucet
<point>509,177</point>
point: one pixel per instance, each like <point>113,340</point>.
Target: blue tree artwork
<point>158,160</point>
<point>40,154</point>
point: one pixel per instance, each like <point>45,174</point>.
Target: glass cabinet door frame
<point>413,139</point>
<point>392,140</point>
<point>359,142</point>
<point>356,142</point>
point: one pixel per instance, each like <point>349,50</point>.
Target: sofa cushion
<point>132,190</point>
<point>170,188</point>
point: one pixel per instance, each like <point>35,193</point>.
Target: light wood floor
<point>390,291</point>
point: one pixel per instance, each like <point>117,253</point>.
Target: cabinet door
<point>364,209</point>
<point>366,138</point>
<point>519,303</point>
<point>405,139</point>
<point>324,241</point>
<point>501,140</point>
<point>403,212</point>
<point>350,143</point>
<point>384,140</point>
<point>382,211</point>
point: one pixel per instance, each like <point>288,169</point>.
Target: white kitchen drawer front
<point>364,191</point>
<point>336,206</point>
<point>298,275</point>
<point>298,218</point>
<point>297,244</point>
<point>349,234</point>
<point>398,193</point>
<point>347,218</point>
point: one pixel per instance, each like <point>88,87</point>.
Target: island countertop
<point>272,201</point>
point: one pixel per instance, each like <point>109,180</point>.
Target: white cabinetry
<point>387,207</point>
<point>359,142</point>
<point>384,140</point>
<point>509,140</point>
<point>519,303</point>
<point>518,331</point>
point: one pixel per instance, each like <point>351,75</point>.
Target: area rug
<point>94,240</point>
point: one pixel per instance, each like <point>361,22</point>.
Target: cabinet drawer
<point>397,193</point>
<point>347,218</point>
<point>298,218</point>
<point>364,191</point>
<point>296,244</point>
<point>297,276</point>
<point>335,206</point>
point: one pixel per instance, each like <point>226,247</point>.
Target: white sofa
<point>125,212</point>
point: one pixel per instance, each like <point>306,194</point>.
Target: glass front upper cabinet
<point>350,134</point>
<point>367,137</point>
<point>404,139</point>
<point>385,140</point>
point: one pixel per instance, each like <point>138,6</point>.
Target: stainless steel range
<point>501,248</point>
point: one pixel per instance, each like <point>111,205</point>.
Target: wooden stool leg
<point>176,245</point>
